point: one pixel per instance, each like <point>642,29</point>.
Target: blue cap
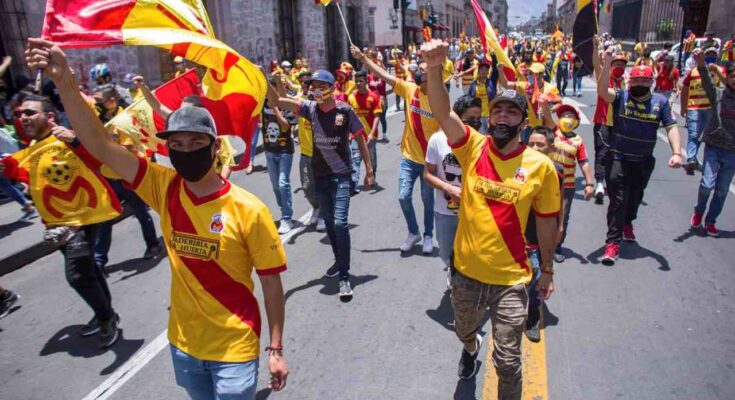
<point>322,76</point>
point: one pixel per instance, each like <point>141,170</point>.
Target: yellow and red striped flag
<point>324,2</point>
<point>234,88</point>
<point>490,42</point>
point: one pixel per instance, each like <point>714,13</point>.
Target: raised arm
<point>375,68</point>
<point>45,55</point>
<point>603,90</point>
<point>281,100</point>
<point>434,53</point>
<point>151,99</point>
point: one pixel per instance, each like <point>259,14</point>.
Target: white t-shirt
<point>448,170</point>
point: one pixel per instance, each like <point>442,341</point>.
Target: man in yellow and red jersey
<point>73,200</point>
<point>728,51</point>
<point>367,105</point>
<point>420,125</point>
<point>466,68</point>
<point>215,234</point>
<point>502,181</point>
<point>400,66</point>
<point>603,118</point>
<point>697,109</point>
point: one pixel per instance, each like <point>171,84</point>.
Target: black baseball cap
<point>189,119</point>
<point>513,97</point>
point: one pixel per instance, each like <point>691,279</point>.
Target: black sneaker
<point>468,363</point>
<point>92,327</point>
<point>345,290</point>
<point>7,300</point>
<point>109,332</point>
<point>559,257</point>
<point>534,332</point>
<point>152,251</point>
<point>332,271</point>
<point>690,167</point>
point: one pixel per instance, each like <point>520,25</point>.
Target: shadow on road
<point>330,286</point>
<point>549,319</point>
<point>465,389</point>
<point>7,229</point>
<point>67,340</point>
<point>700,233</point>
<point>415,251</point>
<point>263,394</point>
<point>569,253</point>
<point>444,313</point>
<point>135,265</point>
<point>631,251</point>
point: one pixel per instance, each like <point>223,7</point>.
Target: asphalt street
<point>658,325</point>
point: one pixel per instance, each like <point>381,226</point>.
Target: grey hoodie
<point>720,132</point>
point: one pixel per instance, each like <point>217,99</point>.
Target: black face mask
<point>474,123</point>
<point>192,165</point>
<point>502,134</point>
<point>639,91</point>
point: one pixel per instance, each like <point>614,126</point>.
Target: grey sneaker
<point>109,332</point>
<point>92,327</point>
<point>345,290</point>
<point>534,332</point>
<point>7,300</point>
<point>28,215</point>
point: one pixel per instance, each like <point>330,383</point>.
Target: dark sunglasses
<point>451,177</point>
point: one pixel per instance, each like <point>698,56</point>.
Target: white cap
<point>285,64</point>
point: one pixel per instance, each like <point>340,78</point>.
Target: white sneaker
<point>411,240</point>
<point>428,245</point>
<point>314,216</point>
<point>321,226</point>
<point>285,227</point>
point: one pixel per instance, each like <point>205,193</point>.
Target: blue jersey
<point>635,124</point>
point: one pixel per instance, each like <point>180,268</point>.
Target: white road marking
<point>129,369</point>
<point>143,357</point>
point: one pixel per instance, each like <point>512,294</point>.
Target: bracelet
<point>548,272</point>
<point>274,348</point>
<point>590,185</point>
<point>677,154</point>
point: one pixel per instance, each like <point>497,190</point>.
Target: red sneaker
<point>612,252</point>
<point>711,230</point>
<point>696,220</point>
<point>628,234</point>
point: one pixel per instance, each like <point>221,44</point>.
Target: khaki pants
<point>508,310</point>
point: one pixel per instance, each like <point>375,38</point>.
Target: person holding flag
<point>420,126</point>
<point>367,105</point>
<point>216,234</point>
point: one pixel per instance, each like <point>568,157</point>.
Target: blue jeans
<point>577,83</point>
<point>410,171</point>
<point>140,210</point>
<point>212,380</point>
<point>357,162</point>
<point>534,304</point>
<point>254,144</point>
<point>279,170</point>
<point>717,173</point>
<point>446,230</point>
<point>13,192</point>
<point>333,194</point>
<point>697,120</point>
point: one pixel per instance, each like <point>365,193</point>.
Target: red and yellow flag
<point>324,2</point>
<point>490,43</point>
<point>234,88</point>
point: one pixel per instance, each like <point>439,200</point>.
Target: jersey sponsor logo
<point>421,111</point>
<point>520,175</point>
<point>193,246</point>
<point>218,223</point>
<point>497,191</point>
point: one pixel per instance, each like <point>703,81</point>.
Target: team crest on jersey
<point>339,120</point>
<point>218,223</point>
<point>520,175</point>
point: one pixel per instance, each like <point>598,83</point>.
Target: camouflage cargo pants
<point>508,310</point>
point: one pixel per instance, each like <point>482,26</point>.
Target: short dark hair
<point>540,130</point>
<point>305,73</point>
<point>730,68</point>
<point>194,100</point>
<point>483,65</point>
<point>108,91</point>
<point>668,45</point>
<point>465,102</point>
<point>46,105</point>
<point>361,74</point>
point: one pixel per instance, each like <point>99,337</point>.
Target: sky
<point>525,9</point>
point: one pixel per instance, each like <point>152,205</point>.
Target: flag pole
<point>344,23</point>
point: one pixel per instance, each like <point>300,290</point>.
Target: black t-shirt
<point>331,131</point>
<point>275,139</point>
